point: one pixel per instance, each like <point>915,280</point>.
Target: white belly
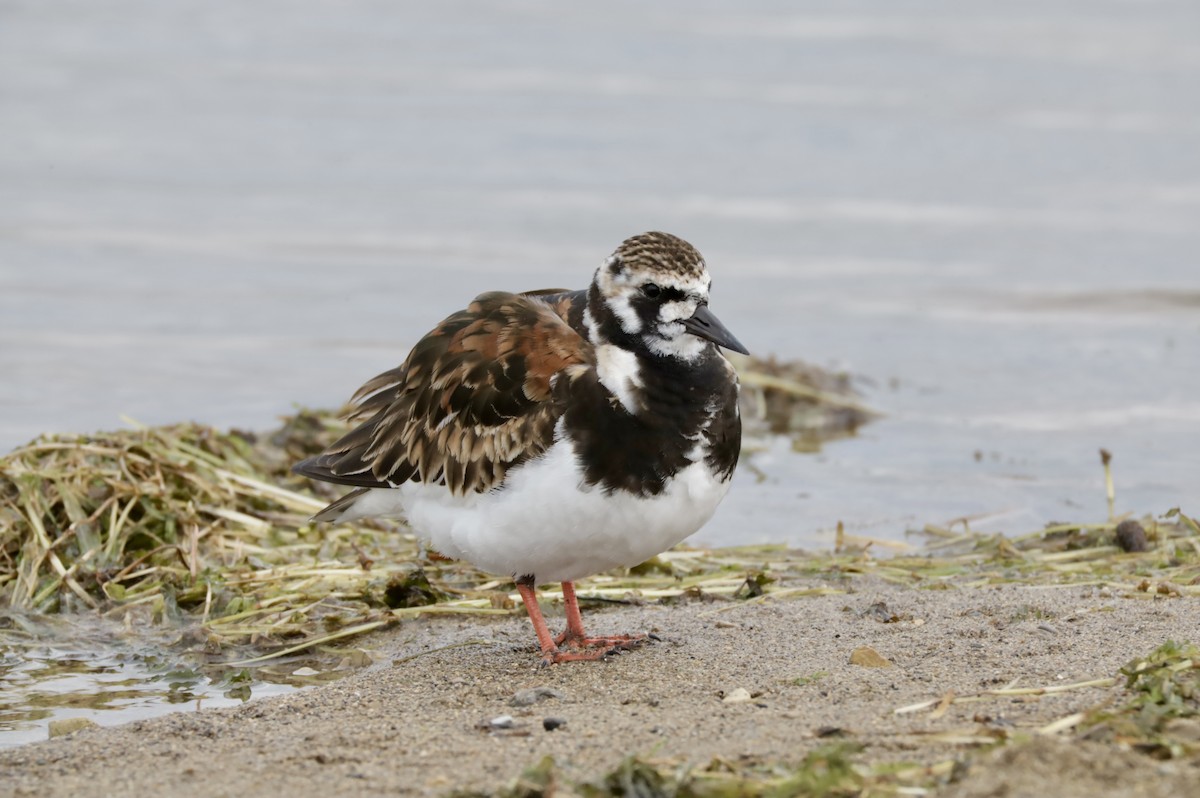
<point>542,524</point>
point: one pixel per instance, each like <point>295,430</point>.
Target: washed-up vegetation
<point>808,404</point>
<point>1161,715</point>
<point>187,525</point>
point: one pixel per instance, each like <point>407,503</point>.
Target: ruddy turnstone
<point>554,434</point>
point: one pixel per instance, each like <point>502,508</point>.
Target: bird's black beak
<point>704,324</point>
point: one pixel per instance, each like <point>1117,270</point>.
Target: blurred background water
<point>990,213</point>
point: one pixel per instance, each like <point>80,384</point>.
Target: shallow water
<point>214,210</point>
<point>56,668</point>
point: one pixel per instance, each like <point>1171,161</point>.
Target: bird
<point>551,435</point>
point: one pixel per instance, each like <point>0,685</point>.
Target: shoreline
<point>417,722</point>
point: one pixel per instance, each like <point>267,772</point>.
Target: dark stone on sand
<point>550,724</point>
<point>1131,536</point>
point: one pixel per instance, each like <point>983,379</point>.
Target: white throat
<point>686,347</point>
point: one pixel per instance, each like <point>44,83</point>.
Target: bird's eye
<point>651,290</point>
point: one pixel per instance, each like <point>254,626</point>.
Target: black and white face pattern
<point>651,285</point>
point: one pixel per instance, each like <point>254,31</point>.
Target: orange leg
<point>545,640</point>
<point>574,618</point>
<point>582,647</point>
<point>576,637</point>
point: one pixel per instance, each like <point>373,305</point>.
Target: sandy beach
<point>428,717</point>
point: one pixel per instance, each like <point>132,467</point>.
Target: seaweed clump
<point>189,525</point>
<point>807,403</point>
<point>1161,716</point>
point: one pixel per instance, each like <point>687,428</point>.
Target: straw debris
<point>809,404</point>
<point>187,524</point>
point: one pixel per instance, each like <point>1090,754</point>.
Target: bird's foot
<point>576,641</point>
<point>574,648</point>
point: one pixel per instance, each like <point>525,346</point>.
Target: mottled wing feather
<point>479,394</point>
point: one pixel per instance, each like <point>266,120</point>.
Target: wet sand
<point>411,724</point>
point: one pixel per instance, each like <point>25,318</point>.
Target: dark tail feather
<point>322,467</point>
<point>334,511</point>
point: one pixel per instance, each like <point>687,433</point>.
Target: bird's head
<point>652,294</point>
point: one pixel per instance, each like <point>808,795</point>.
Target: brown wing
<point>479,394</point>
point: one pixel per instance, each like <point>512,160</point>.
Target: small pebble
<point>502,722</point>
<point>550,724</point>
<point>880,612</point>
<point>532,695</point>
<point>830,731</point>
<point>738,695</point>
<point>867,657</point>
